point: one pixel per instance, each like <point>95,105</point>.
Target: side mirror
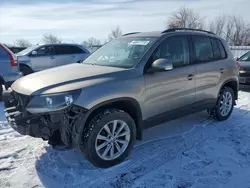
<point>237,58</point>
<point>34,53</point>
<point>161,65</point>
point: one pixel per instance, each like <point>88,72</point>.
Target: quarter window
<point>219,52</point>
<point>203,49</point>
<point>222,50</point>
<point>216,49</point>
<point>174,49</point>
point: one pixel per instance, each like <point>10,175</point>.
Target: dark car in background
<point>244,62</point>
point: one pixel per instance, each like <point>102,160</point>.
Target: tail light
<point>238,64</point>
<point>13,61</point>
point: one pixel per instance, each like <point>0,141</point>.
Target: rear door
<point>209,55</point>
<point>78,54</point>
<point>63,55</point>
<point>44,58</point>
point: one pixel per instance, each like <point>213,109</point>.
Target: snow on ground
<point>193,151</point>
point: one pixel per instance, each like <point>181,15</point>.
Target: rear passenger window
<point>203,49</point>
<point>76,50</point>
<point>63,50</point>
<point>219,52</point>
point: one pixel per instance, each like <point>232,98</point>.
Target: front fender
<point>98,94</point>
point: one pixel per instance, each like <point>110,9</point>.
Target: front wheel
<point>225,104</point>
<point>109,138</point>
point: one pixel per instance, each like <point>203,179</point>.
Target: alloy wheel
<point>112,140</point>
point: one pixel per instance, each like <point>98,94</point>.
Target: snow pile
<point>193,151</point>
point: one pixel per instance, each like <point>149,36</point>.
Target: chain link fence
<point>238,51</point>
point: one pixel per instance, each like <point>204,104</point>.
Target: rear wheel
<point>225,104</point>
<point>109,138</point>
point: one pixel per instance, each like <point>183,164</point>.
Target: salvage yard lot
<point>194,151</point>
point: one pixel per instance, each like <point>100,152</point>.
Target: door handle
<point>222,70</point>
<point>52,57</point>
<point>190,77</point>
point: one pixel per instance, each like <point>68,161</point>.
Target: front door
<point>175,89</point>
<point>43,59</point>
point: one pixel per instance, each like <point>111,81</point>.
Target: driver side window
<point>175,50</point>
<point>44,51</point>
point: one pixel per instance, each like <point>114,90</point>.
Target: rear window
<point>3,53</point>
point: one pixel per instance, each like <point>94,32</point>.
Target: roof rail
<point>187,29</point>
<point>130,33</point>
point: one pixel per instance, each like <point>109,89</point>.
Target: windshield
<point>122,52</point>
<point>27,50</point>
<point>245,57</point>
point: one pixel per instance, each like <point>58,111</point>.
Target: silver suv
<point>37,58</point>
<point>136,81</point>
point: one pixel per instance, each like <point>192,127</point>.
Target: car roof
<point>60,44</point>
<point>170,31</point>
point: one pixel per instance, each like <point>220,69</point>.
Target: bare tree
<point>51,39</point>
<point>22,43</point>
<point>115,33</point>
<point>91,42</point>
<point>218,25</point>
<point>237,31</point>
<point>185,18</point>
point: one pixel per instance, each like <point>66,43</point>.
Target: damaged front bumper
<point>59,127</point>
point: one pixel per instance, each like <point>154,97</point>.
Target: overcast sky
<point>77,20</point>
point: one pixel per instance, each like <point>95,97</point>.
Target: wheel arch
<point>232,83</point>
<point>23,66</point>
<point>127,104</point>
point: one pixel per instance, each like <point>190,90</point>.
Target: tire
<point>1,92</point>
<point>218,113</point>
<point>89,143</point>
<point>25,70</point>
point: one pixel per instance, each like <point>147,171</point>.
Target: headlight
<point>52,102</point>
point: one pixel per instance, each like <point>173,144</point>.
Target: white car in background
<point>41,57</point>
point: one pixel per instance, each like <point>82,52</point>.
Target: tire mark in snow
<point>169,149</point>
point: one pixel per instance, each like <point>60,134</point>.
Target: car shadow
<point>160,144</point>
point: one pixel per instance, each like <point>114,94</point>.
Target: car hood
<point>65,78</point>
